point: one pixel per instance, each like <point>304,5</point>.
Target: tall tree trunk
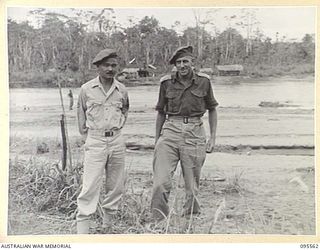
<point>226,54</point>
<point>147,54</point>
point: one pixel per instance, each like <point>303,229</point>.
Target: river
<point>35,112</point>
<point>294,93</point>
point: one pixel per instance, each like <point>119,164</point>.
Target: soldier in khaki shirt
<point>102,112</point>
<point>184,97</point>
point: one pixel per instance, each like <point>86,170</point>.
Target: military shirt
<point>192,100</point>
<point>99,110</point>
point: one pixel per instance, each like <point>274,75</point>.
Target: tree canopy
<point>72,42</point>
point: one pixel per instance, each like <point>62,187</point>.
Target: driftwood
<point>64,143</point>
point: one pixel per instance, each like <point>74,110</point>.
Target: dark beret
<point>106,53</point>
<point>180,52</point>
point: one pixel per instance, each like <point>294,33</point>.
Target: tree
<point>72,41</point>
<point>230,46</point>
<point>190,37</point>
<point>248,22</point>
<point>202,19</point>
<point>308,48</point>
<point>21,39</point>
<point>149,28</point>
<point>166,45</point>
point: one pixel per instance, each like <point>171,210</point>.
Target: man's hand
<point>159,123</point>
<point>84,138</point>
<point>213,127</point>
<point>156,139</point>
<point>210,144</point>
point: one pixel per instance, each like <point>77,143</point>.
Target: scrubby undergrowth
<point>42,190</point>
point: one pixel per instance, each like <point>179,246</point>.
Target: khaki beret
<point>106,53</point>
<point>180,52</point>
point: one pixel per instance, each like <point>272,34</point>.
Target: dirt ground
<point>259,180</point>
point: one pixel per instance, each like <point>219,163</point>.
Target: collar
<point>193,78</point>
<point>96,83</point>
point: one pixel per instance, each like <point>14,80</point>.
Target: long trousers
<point>178,142</point>
<point>102,155</point>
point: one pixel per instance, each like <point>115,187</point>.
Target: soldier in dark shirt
<point>184,97</point>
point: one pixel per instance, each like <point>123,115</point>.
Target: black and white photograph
<point>161,120</point>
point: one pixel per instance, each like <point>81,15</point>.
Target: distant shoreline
<point>155,80</point>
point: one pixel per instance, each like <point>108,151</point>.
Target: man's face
<point>184,65</point>
<point>108,67</point>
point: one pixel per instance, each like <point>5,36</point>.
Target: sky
<point>289,22</point>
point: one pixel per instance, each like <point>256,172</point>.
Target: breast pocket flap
<point>172,94</point>
<point>199,93</point>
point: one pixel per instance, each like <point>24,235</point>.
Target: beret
<point>104,54</point>
<point>180,52</point>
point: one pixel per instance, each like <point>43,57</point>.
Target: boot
<point>83,227</point>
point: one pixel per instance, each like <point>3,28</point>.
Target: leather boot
<point>83,227</point>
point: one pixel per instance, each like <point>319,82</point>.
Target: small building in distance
<point>131,73</point>
<point>229,70</point>
<point>208,71</point>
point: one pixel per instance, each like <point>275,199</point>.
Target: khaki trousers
<point>178,142</point>
<point>102,154</point>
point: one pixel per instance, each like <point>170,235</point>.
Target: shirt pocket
<point>114,106</point>
<point>173,97</point>
<point>113,114</point>
<point>115,102</point>
<point>117,105</point>
<point>197,100</point>
<point>95,110</point>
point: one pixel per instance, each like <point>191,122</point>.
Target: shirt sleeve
<point>162,100</point>
<point>125,107</point>
<point>211,102</point>
<point>81,112</point>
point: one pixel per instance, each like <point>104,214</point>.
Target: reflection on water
<point>298,93</point>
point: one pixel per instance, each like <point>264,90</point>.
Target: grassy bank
<point>48,79</point>
<point>298,70</point>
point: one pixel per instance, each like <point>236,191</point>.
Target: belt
<point>185,119</point>
<point>103,133</point>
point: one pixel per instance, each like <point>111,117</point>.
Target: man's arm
<point>161,117</point>
<point>211,104</point>
<point>213,120</point>
<point>81,113</point>
<point>160,107</point>
<point>125,109</point>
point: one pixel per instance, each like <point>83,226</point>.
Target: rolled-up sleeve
<point>211,102</point>
<point>81,112</point>
<point>162,100</point>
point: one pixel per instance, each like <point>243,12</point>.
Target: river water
<point>294,93</point>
